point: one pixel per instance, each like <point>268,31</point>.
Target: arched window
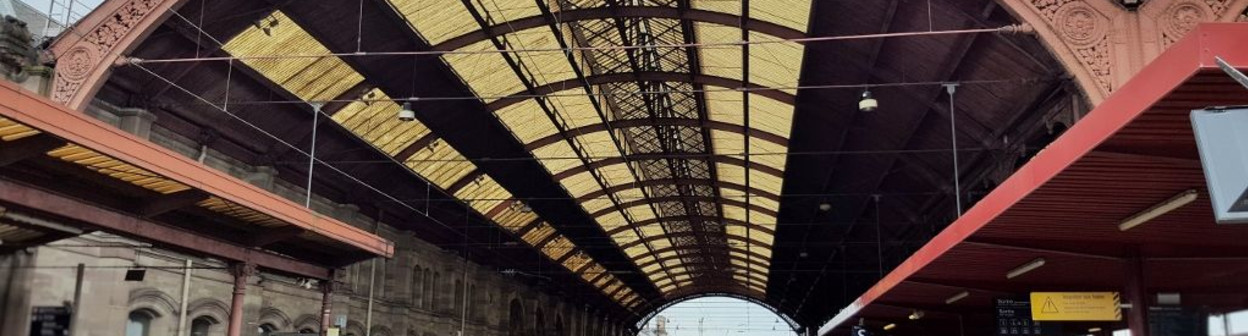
<point>559,326</point>
<point>539,325</point>
<point>266,329</point>
<point>427,285</point>
<point>139,324</point>
<point>201,326</point>
<point>515,319</point>
<point>458,299</point>
<point>416,288</point>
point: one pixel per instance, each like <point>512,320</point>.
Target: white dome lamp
<point>868,103</point>
<point>406,113</point>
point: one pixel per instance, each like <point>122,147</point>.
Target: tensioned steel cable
<point>989,82</point>
<point>1003,29</point>
<point>223,109</point>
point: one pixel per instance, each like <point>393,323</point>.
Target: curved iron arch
<point>684,234</point>
<point>630,123</point>
<point>645,76</point>
<point>645,201</point>
<point>728,160</point>
<point>692,218</point>
<point>698,15</point>
<point>650,183</point>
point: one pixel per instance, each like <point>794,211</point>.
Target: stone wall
<point>415,293</point>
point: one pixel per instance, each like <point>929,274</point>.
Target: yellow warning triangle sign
<point>1049,306</point>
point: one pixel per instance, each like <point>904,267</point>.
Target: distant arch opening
<point>716,314</point>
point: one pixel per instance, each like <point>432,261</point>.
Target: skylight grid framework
<point>646,168</point>
<point>521,65</point>
<point>657,140</point>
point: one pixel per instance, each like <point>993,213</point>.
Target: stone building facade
<point>423,291</point>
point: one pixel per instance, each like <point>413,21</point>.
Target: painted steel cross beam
<point>60,121</point>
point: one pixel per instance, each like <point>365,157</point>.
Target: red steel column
<point>241,271</point>
<point>1137,295</point>
<point>327,302</point>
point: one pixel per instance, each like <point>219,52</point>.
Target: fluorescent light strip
<point>1028,267</point>
<point>890,326</point>
<point>1178,201</point>
<point>957,297</point>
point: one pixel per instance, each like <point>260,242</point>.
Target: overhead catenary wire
<point>1002,29</point>
<point>859,86</point>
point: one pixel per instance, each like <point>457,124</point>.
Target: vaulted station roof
<point>635,147</point>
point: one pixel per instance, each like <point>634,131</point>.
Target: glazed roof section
<point>564,114</point>
<point>374,120</point>
<point>570,132</point>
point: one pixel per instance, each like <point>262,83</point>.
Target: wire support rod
<point>1023,80</point>
<point>1003,29</point>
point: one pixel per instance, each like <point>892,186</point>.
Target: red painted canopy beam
<point>1189,56</point>
<point>55,119</point>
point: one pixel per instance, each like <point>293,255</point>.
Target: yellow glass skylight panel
<point>507,10</point>
<point>620,295</point>
<point>375,122</point>
<point>485,71</point>
<point>682,277</point>
<point>311,79</point>
<point>652,230</point>
<point>758,179</point>
<point>617,174</point>
<point>11,130</point>
<point>116,169</point>
<point>761,151</point>
<point>615,285</point>
<point>775,65</point>
<point>640,213</point>
<point>789,13</point>
<point>652,268</point>
<point>545,67</point>
<point>772,65</point>
<point>575,108</point>
<point>612,220</point>
<point>738,213</point>
<point>557,157</point>
<point>483,194</point>
<point>441,164</point>
<point>580,184</point>
<point>596,204</point>
<point>766,114</point>
<point>538,234</point>
<point>659,244</point>
<point>576,261</point>
<point>630,194</point>
<point>526,120</point>
<point>602,280</point>
<point>437,20</point>
<point>666,254</point>
<point>598,145</point>
<point>513,219</point>
<point>557,247</point>
<point>636,251</point>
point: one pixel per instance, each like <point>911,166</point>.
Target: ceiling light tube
<point>957,297</point>
<point>890,326</point>
<point>1178,201</point>
<point>1028,267</point>
<point>1094,329</point>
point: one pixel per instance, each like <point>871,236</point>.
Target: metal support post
<point>327,303</point>
<point>242,272</point>
<point>1137,295</point>
<point>186,292</point>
